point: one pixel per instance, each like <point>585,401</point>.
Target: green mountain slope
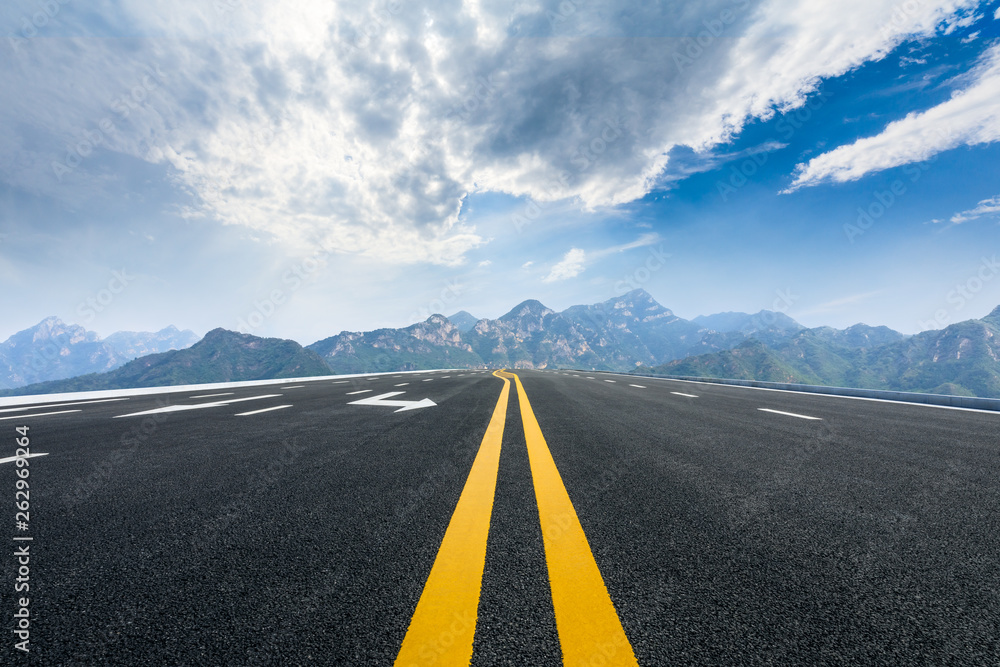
<point>962,359</point>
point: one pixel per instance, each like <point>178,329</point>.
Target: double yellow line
<point>443,626</point>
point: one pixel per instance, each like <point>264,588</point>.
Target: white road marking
<point>11,459</point>
<point>590,378</point>
<point>60,405</point>
<point>823,395</point>
<point>382,400</point>
<point>401,384</point>
<point>363,391</point>
<point>637,386</point>
<point>340,382</point>
<point>196,406</point>
<point>40,414</point>
<point>611,381</point>
<point>295,386</point>
<point>445,376</point>
<point>680,394</point>
<point>429,380</point>
<point>257,412</point>
<point>227,393</point>
<point>789,414</point>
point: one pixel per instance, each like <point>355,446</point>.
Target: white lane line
<point>611,381</point>
<point>363,391</point>
<point>257,412</point>
<point>11,459</point>
<point>236,400</point>
<point>226,393</point>
<point>590,378</point>
<point>371,379</point>
<point>196,406</point>
<point>340,382</point>
<point>637,386</point>
<point>60,405</point>
<point>789,414</point>
<point>677,393</point>
<point>822,395</point>
<point>429,380</point>
<point>401,384</point>
<point>445,376</point>
<point>40,414</point>
<point>294,386</point>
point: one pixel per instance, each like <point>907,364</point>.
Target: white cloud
<point>647,239</point>
<point>484,263</point>
<point>574,262</point>
<point>570,266</point>
<point>362,127</point>
<point>839,304</point>
<point>970,117</point>
<point>527,265</point>
<point>985,207</point>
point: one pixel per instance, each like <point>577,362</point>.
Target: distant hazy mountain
<point>463,320</point>
<point>221,356</point>
<point>618,334</point>
<point>962,359</point>
<point>132,344</point>
<point>764,320</point>
<point>53,350</point>
<point>435,343</point>
<point>859,335</point>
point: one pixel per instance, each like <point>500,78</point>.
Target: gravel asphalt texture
<point>726,535</point>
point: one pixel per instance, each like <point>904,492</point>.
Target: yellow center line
<point>590,632</point>
<point>443,626</point>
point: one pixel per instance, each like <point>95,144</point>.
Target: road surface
<point>685,523</point>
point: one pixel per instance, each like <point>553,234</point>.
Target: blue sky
<point>300,171</point>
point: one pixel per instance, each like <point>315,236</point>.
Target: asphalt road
<point>725,534</point>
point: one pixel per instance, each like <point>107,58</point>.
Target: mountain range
<point>627,333</point>
<point>54,350</point>
<point>618,334</point>
<point>220,356</point>
<point>963,359</point>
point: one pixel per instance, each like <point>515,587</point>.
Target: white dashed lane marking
<point>789,414</point>
<point>257,412</point>
<point>40,414</point>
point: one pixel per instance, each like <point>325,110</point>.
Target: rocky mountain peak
<point>531,308</point>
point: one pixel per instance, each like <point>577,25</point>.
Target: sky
<point>299,169</point>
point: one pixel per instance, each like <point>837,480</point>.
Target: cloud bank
<point>361,129</point>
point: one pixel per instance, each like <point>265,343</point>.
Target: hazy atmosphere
<point>297,170</point>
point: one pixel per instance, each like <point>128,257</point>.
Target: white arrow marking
<point>402,405</point>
